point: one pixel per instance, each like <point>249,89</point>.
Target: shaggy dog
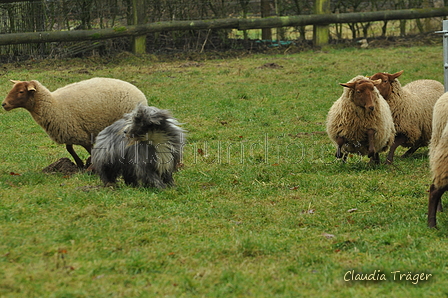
<point>145,147</point>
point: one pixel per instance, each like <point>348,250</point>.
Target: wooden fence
<point>83,39</point>
<point>231,23</point>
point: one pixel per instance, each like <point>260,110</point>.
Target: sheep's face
<point>363,93</point>
<point>19,96</point>
<point>385,87</point>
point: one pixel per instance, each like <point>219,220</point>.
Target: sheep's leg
<point>375,159</point>
<point>340,141</point>
<point>78,160</point>
<point>399,140</point>
<point>371,138</point>
<point>88,161</point>
<point>435,198</point>
<point>411,150</point>
<point>88,148</point>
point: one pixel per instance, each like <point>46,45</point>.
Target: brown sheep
<point>438,158</point>
<point>360,121</point>
<point>411,107</point>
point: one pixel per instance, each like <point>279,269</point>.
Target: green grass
<point>260,208</point>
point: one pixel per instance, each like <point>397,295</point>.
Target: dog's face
<point>144,120</point>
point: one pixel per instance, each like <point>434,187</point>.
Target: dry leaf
<point>98,276</point>
<point>14,174</point>
<point>328,236</point>
<point>352,210</point>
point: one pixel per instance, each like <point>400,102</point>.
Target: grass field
<point>261,207</point>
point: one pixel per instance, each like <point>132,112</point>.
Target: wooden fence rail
<point>231,23</point>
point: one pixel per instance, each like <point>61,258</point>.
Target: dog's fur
<point>145,146</point>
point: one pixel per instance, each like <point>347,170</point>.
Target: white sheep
<point>76,113</point>
<point>412,108</point>
<point>360,121</point>
<point>438,158</point>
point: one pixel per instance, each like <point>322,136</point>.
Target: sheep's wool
<point>412,109</point>
<point>76,113</point>
<point>438,149</point>
<point>345,119</point>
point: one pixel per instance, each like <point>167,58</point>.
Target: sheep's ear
<point>376,82</point>
<point>14,82</point>
<point>31,86</point>
<point>348,85</point>
<point>395,75</point>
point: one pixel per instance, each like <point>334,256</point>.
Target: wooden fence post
<point>266,33</point>
<point>321,34</point>
<point>445,52</point>
<point>138,18</point>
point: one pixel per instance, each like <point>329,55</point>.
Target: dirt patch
<point>191,64</point>
<point>270,66</point>
<point>81,71</point>
<point>63,165</point>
